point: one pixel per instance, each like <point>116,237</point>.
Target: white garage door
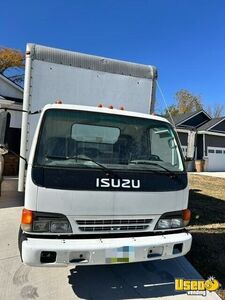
<point>216,159</point>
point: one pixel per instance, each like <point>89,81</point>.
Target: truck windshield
<point>82,139</point>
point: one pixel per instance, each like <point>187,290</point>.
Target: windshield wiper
<point>146,162</point>
<point>77,157</point>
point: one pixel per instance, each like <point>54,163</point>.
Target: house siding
<point>199,146</point>
<point>220,127</point>
<point>214,141</point>
<point>7,89</point>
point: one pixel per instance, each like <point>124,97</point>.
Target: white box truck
<point>105,179</point>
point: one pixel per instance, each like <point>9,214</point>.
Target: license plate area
<point>125,254</point>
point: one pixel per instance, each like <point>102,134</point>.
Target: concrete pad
<point>10,183</point>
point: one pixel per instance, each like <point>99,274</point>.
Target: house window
<point>211,151</point>
<point>219,151</point>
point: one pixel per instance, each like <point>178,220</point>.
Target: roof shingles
<point>211,123</point>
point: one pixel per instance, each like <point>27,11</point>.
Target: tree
<point>171,110</point>
<point>187,102</point>
<point>12,60</point>
<point>216,111</point>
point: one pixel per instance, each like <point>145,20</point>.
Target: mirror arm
<point>18,155</point>
<point>21,110</point>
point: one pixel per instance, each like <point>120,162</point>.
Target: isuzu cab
<point>105,180</point>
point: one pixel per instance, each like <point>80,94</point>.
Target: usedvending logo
<point>197,287</point>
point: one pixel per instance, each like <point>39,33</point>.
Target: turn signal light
<point>186,216</point>
<point>26,220</point>
<point>27,216</point>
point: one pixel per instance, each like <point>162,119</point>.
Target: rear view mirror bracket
<point>4,150</point>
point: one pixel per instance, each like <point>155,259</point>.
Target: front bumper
<point>104,251</point>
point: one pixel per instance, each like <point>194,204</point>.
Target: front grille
<point>114,225</point>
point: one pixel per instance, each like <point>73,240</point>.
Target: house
<point>209,137</point>
<point>208,133</point>
<point>11,97</point>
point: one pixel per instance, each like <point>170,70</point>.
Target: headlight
<point>176,223</point>
<point>41,226</point>
<point>51,226</point>
<point>44,222</point>
<point>59,226</point>
<point>164,224</point>
<point>174,220</point>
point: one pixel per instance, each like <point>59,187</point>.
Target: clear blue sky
<point>185,39</point>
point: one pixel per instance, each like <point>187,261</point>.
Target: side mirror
<point>3,150</point>
<point>4,126</point>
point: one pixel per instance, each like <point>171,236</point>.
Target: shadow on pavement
<point>130,281</point>
<point>9,196</point>
<point>11,199</point>
<point>207,254</point>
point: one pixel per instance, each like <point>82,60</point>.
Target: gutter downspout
<point>204,148</point>
<point>205,154</point>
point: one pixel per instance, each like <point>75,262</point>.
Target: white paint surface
<point>151,280</point>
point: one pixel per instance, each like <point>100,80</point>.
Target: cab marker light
<point>58,101</point>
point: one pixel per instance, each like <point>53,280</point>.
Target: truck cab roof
<point>105,110</point>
